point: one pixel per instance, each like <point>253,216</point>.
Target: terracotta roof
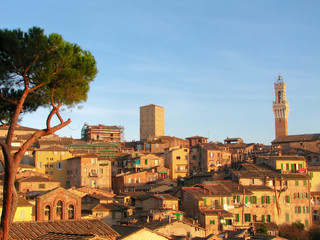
<point>53,148</point>
<point>35,179</point>
<point>111,206</point>
<point>220,188</point>
<point>259,188</point>
<point>297,176</point>
<point>22,165</point>
<point>297,138</point>
<point>64,236</point>
<point>287,158</point>
<point>196,137</point>
<point>313,168</point>
<point>20,128</point>
<point>92,190</point>
<point>100,197</point>
<point>34,230</point>
<point>165,196</point>
<point>215,212</point>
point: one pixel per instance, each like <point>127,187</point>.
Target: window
<point>51,165</point>
<point>39,164</point>
<point>228,222</point>
<point>269,218</point>
<point>287,217</point>
<point>286,198</point>
<point>268,199</point>
<point>237,218</point>
<point>156,162</point>
<point>130,180</point>
<point>59,166</point>
<point>298,209</point>
<point>297,182</point>
<point>47,212</point>
<point>178,157</point>
<point>42,186</point>
<point>211,154</point>
<point>212,222</point>
<point>247,217</point>
<point>101,170</point>
<point>146,161</point>
<point>59,210</point>
<point>305,182</point>
<point>71,212</point>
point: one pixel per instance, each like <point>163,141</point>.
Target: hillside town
<point>165,187</point>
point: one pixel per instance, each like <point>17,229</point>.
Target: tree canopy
<point>49,69</point>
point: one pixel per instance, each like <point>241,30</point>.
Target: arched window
<point>59,210</point>
<point>279,97</point>
<point>71,212</point>
<point>47,212</point>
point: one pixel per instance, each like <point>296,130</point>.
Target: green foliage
<point>49,68</point>
<point>262,229</point>
<point>298,225</point>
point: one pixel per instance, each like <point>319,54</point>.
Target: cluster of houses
<point>164,187</point>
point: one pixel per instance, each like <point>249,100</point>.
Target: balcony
<point>93,174</point>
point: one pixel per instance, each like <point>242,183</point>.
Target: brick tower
<point>280,108</point>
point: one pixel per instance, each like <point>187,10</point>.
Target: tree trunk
<point>9,200</point>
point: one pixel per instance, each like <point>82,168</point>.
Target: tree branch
<point>6,153</point>
<point>7,99</point>
<point>37,135</point>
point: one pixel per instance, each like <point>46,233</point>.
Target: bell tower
<point>280,108</point>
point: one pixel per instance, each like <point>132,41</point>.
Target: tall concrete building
<point>280,108</point>
<point>151,121</point>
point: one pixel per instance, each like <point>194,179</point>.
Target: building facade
<point>90,171</point>
<point>151,121</point>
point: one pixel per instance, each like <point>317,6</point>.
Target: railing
<point>91,174</point>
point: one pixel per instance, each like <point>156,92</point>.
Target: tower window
<point>279,96</point>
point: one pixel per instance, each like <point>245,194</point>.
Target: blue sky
<point>211,64</point>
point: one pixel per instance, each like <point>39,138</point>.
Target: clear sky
<point>210,63</point>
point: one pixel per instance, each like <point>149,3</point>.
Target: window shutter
<point>237,218</point>
<point>263,218</point>
<point>262,200</point>
<point>288,198</point>
<point>269,218</point>
<point>255,199</point>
